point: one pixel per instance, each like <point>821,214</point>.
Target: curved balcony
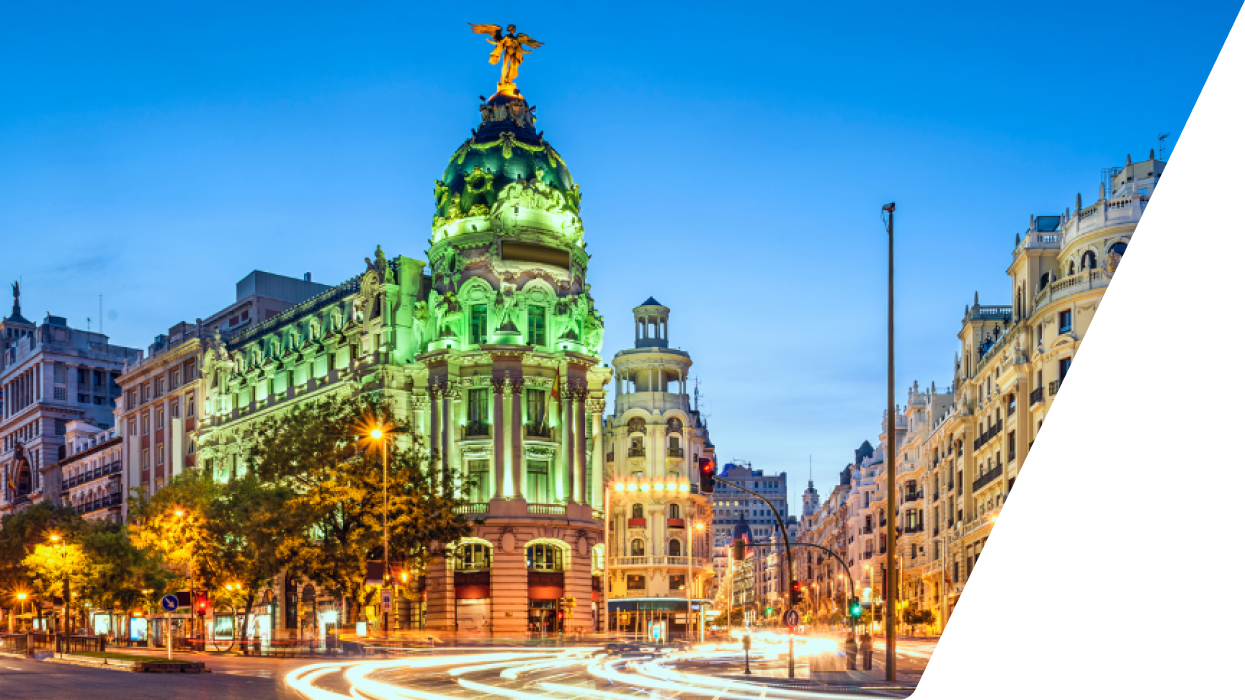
<point>630,562</point>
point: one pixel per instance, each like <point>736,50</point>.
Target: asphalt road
<point>571,673</point>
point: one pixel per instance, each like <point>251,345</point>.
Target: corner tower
<point>659,524</point>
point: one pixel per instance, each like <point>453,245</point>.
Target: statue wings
<point>493,30</point>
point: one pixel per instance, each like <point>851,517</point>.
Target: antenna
<point>101,314</point>
<point>1163,144</point>
<point>88,324</point>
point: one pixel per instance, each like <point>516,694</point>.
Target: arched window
<point>674,511</point>
<point>637,548</point>
<point>637,511</point>
<point>676,548</point>
<point>1118,248</point>
<point>1071,268</point>
<point>1089,261</point>
<point>544,557</point>
<point>474,556</point>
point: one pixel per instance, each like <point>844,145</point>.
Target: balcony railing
<point>476,430</point>
<point>635,451</point>
<point>675,522</point>
<point>674,452</point>
<point>636,522</point>
<point>471,509</point>
<point>538,430</point>
<point>1053,387</point>
<point>109,501</point>
<point>911,496</point>
<point>697,562</point>
<point>1036,397</point>
<point>546,509</point>
<point>985,479</point>
<point>93,474</point>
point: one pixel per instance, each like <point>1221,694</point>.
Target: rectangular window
<point>1064,365</point>
<point>1065,321</point>
<point>175,379</point>
<point>190,405</point>
<point>635,582</point>
<point>146,423</point>
<point>535,325</point>
<point>175,408</point>
<point>535,399</point>
<point>146,460</point>
<point>160,454</point>
<point>478,490</point>
<point>159,419</point>
<point>133,427</point>
<point>538,483</point>
<point>477,412</point>
<point>479,323</point>
<point>678,582</point>
<point>58,393</point>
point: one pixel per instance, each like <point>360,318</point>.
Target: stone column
<point>597,487</point>
<point>515,389</point>
<point>499,436</point>
<point>568,451</point>
<point>434,432</point>
<point>581,445</point>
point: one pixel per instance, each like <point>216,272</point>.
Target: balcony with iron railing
<point>538,430</point>
<point>93,474</point>
<point>911,496</point>
<point>1036,396</point>
<point>681,562</point>
<point>987,478</point>
<point>476,430</point>
<point>675,452</point>
<point>110,501</point>
<point>471,509</point>
<point>1061,386</point>
<point>635,451</point>
<point>637,522</point>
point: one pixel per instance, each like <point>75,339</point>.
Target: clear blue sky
<point>733,161</point>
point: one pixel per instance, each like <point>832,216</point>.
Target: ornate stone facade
<point>491,351</point>
<point>660,548</point>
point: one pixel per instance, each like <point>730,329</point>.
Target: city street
<point>587,671</point>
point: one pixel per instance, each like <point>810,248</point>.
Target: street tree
<point>333,525</point>
<point>19,533</point>
<point>170,526</point>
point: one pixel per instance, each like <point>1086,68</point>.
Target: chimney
<point>306,276</point>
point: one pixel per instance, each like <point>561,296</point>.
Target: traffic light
<point>797,593</point>
<point>769,611</point>
<point>737,549</point>
<point>201,606</point>
<point>707,471</point>
<point>853,607</point>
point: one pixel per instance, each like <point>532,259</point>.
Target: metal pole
<point>605,583</point>
<point>691,525</point>
<point>384,459</point>
<point>891,581</point>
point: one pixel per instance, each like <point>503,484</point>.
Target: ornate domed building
<point>493,352</point>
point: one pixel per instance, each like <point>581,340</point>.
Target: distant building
<point>161,394</point>
<point>731,506</point>
<point>50,375</point>
<point>92,480</point>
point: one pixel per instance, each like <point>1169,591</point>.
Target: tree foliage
<point>322,453</point>
<point>20,532</point>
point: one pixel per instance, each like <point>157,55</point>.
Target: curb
<point>131,666</point>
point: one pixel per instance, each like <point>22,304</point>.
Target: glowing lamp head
<point>55,538</point>
<point>700,526</point>
<point>21,596</point>
<point>659,486</point>
<point>377,433</point>
<point>179,513</point>
<point>644,487</point>
<point>632,487</point>
<point>685,487</point>
<point>620,487</point>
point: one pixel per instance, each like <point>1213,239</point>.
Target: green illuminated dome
<point>503,150</point>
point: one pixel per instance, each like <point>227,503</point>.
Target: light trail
<point>500,672</point>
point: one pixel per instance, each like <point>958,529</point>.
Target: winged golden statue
<point>507,48</point>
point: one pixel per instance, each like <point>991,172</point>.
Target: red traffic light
<point>707,466</point>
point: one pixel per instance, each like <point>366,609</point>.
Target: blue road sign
<point>169,602</point>
<point>791,618</point>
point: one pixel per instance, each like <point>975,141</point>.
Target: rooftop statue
<point>508,48</point>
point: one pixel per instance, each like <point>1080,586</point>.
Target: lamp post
<point>891,582</point>
<point>380,435</point>
<point>65,583</point>
<point>190,569</point>
<point>21,609</point>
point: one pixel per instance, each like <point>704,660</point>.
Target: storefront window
<point>474,556</point>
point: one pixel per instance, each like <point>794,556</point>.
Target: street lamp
<point>891,580</point>
<point>65,582</point>
<point>190,567</point>
<point>378,434</point>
